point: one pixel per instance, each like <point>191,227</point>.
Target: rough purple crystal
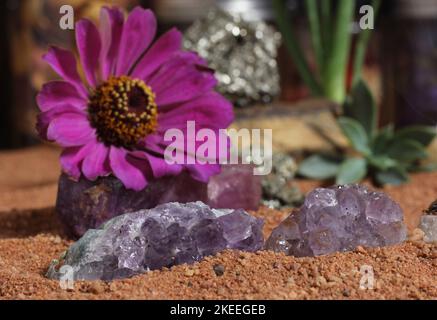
<point>339,219</point>
<point>235,187</point>
<point>167,235</point>
<point>87,204</point>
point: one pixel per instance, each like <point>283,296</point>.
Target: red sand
<point>30,239</point>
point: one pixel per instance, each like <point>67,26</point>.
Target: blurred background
<point>400,66</point>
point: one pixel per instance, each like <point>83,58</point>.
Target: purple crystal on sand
<point>339,219</point>
<point>167,235</point>
<point>87,204</point>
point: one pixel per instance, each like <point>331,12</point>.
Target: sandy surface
<point>30,239</point>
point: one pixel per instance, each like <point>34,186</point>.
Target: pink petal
<point>63,63</point>
<point>89,46</point>
<point>96,163</point>
<point>177,65</point>
<point>154,143</point>
<point>45,118</point>
<point>111,28</point>
<point>58,93</point>
<point>182,78</point>
<point>73,156</point>
<point>202,172</point>
<point>138,33</point>
<point>126,169</point>
<point>70,130</point>
<point>159,166</point>
<point>160,52</point>
<point>210,110</point>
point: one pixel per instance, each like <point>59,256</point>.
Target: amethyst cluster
<point>339,219</point>
<point>87,204</point>
<point>167,235</point>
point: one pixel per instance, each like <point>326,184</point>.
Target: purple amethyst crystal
<point>339,219</point>
<point>87,204</point>
<point>167,235</point>
<point>235,187</point>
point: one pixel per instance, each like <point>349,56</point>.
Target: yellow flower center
<point>123,111</point>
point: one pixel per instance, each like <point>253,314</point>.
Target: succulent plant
<point>383,154</point>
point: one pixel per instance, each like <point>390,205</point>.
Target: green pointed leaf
<point>393,176</point>
<point>361,107</point>
<point>422,134</point>
<point>319,167</point>
<point>406,150</point>
<point>382,162</point>
<point>382,140</point>
<point>352,170</point>
<point>355,133</point>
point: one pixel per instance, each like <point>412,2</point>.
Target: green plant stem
<point>285,27</point>
<point>361,47</point>
<point>325,10</point>
<point>314,21</point>
<point>335,72</point>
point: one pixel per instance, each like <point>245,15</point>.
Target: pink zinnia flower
<point>114,122</point>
